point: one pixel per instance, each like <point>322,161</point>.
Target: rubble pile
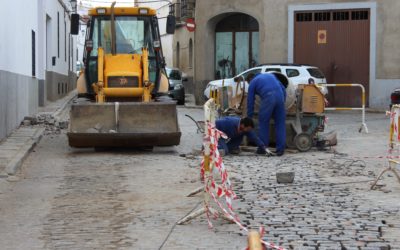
<point>53,125</point>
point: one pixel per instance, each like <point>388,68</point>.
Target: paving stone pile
<point>311,213</point>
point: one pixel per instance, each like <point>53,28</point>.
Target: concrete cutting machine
<point>305,106</point>
<point>305,118</point>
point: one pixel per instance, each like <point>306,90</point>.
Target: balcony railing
<point>187,8</point>
<point>175,10</point>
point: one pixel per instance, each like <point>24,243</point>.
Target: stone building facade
<point>233,35</point>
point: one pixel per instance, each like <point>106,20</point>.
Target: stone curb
<point>14,165</point>
<point>68,99</point>
<point>376,111</point>
<point>16,162</point>
<point>193,106</point>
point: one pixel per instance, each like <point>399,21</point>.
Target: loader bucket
<point>123,125</point>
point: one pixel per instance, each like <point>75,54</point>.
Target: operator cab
<point>135,29</point>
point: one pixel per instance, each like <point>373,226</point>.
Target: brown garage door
<point>338,42</point>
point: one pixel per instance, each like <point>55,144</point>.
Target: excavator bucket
<point>123,125</point>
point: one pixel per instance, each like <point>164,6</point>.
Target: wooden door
<point>337,42</point>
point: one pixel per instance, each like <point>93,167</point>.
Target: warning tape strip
<point>236,220</point>
<point>225,188</point>
<point>377,157</point>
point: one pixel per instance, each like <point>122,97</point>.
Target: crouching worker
<point>235,129</point>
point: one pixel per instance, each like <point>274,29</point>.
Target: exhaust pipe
<point>113,44</point>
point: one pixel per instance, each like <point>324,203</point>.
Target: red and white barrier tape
<point>224,189</point>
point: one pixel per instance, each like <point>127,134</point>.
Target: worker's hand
<point>269,153</point>
<point>264,151</point>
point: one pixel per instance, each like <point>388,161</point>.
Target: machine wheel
<point>303,142</point>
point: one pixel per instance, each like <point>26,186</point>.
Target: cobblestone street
<point>312,212</point>
<point>66,198</point>
<point>188,124</point>
<point>329,206</point>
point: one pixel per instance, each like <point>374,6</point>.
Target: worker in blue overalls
<point>235,129</point>
<point>273,95</point>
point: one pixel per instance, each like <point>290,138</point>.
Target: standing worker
<point>273,95</point>
<point>236,128</point>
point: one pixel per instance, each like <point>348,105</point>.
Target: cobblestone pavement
<point>65,198</point>
<point>88,209</point>
<point>311,213</point>
<point>330,204</point>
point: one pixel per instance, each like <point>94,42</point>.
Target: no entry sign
<point>190,24</point>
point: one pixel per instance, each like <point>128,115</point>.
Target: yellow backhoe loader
<point>124,77</point>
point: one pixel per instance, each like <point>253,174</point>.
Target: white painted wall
<point>18,19</point>
<point>52,7</point>
<point>40,40</point>
<point>20,90</point>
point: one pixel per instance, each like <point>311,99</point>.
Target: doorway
<point>236,45</point>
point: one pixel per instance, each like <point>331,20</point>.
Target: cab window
<point>132,34</point>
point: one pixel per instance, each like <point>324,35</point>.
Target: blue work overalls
<point>273,95</point>
<point>230,126</point>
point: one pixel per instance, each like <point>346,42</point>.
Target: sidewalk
<point>190,102</point>
<point>16,147</point>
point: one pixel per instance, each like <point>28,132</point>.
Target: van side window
<point>254,71</point>
<point>292,72</point>
<point>273,70</point>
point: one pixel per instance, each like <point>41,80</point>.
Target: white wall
<point>40,41</point>
<point>19,90</point>
<point>15,33</point>
<point>52,7</point>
